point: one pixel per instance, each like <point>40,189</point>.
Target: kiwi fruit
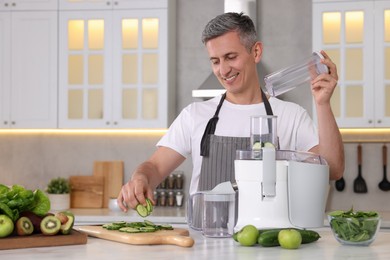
<point>50,225</point>
<point>24,226</point>
<point>35,220</point>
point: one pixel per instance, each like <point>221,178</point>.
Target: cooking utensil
<point>384,184</point>
<point>177,236</point>
<point>340,184</point>
<point>359,184</point>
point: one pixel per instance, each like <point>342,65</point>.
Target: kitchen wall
<point>284,28</point>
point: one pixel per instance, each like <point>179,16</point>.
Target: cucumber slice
<point>257,146</point>
<point>130,230</point>
<point>149,205</point>
<point>142,210</point>
<point>147,229</point>
<point>269,144</point>
<point>149,223</point>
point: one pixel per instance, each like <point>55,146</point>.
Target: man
<point>212,130</point>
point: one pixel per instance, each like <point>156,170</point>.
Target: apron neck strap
<point>211,125</point>
<point>210,129</point>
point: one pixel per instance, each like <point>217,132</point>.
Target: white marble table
<point>208,248</point>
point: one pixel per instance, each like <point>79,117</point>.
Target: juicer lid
<point>288,155</point>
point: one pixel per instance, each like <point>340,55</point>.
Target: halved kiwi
<point>50,225</point>
<point>24,226</point>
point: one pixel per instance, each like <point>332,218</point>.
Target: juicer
<point>280,188</point>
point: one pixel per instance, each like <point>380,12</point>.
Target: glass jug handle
<point>190,211</point>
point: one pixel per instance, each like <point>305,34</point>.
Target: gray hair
<point>229,22</point>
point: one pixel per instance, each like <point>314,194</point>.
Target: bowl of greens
<point>358,228</point>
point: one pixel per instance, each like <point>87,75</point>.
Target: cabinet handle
<point>115,123</point>
<point>370,121</point>
<point>6,122</point>
<point>108,3</point>
<point>12,122</point>
<point>6,4</point>
<point>115,3</point>
<point>379,121</point>
<point>13,4</point>
<point>107,123</point>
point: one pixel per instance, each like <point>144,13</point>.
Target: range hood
<point>211,86</point>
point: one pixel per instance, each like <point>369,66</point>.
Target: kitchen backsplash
<point>33,159</point>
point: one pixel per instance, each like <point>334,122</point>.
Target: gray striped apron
<point>219,153</point>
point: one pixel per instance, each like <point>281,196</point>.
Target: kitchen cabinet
<point>28,5</point>
<point>356,35</point>
<point>116,64</point>
<point>28,66</point>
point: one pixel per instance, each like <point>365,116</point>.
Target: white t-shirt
<point>295,129</point>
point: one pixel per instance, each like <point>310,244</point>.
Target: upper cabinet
<point>28,64</point>
<point>356,35</point>
<point>28,5</point>
<point>116,63</point>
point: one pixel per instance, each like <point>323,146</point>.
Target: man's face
<point>232,64</point>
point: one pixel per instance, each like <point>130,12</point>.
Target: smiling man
<point>211,131</point>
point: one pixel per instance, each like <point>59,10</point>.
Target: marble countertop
<point>170,215</point>
<point>208,248</point>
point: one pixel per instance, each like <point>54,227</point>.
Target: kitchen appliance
<point>213,212</point>
<point>298,74</point>
<point>280,188</point>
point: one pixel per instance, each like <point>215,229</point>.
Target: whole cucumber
<point>269,237</point>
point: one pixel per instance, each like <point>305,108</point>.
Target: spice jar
<point>171,199</point>
<point>179,198</point>
<point>179,181</point>
<point>171,182</point>
<point>162,198</point>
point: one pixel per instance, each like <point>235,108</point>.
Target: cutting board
<point>86,191</point>
<point>112,174</point>
<point>40,240</point>
<point>178,236</point>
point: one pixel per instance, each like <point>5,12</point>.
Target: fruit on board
<point>24,226</point>
<point>50,225</point>
<point>6,226</point>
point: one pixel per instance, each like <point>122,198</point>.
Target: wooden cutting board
<point>86,191</point>
<point>178,236</point>
<point>40,240</point>
<point>112,174</point>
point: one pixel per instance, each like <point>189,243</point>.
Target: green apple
<point>6,226</point>
<point>248,235</point>
<point>290,238</point>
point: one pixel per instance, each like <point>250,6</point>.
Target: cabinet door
<point>345,30</point>
<point>22,5</point>
<point>140,68</point>
<point>5,68</point>
<point>34,69</point>
<point>86,4</point>
<point>382,64</point>
<point>85,80</point>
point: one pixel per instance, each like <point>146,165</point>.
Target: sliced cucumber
<point>257,146</point>
<point>149,205</point>
<point>149,223</point>
<point>130,230</point>
<point>142,210</point>
<point>269,144</point>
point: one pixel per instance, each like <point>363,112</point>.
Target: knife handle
<point>184,241</point>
